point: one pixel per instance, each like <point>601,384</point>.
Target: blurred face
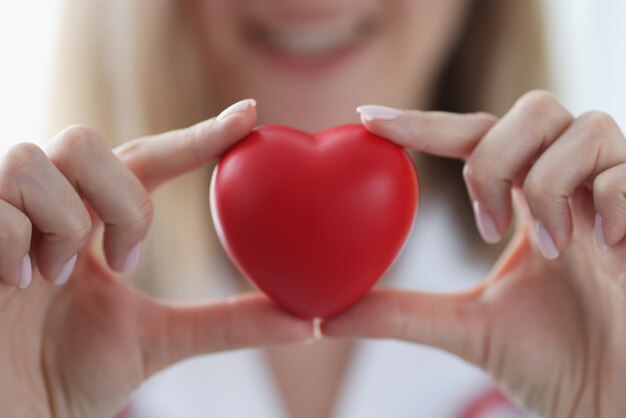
<point>309,63</point>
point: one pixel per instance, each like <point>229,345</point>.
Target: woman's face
<point>309,63</point>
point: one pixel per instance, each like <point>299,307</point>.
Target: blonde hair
<point>131,68</point>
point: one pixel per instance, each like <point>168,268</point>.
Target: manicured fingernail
<point>600,241</point>
<point>132,259</point>
<point>545,241</point>
<point>65,272</point>
<point>317,329</point>
<point>317,332</point>
<point>238,107</point>
<point>486,224</point>
<point>27,273</point>
<point>375,112</point>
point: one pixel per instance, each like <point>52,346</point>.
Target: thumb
<point>172,333</point>
<point>453,323</point>
<point>158,158</point>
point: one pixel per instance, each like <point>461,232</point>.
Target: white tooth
<point>312,40</point>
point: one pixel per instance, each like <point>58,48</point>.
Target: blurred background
<point>586,47</point>
<point>586,44</point>
<point>27,41</point>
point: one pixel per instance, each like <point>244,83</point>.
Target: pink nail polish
<point>236,108</point>
<point>486,224</point>
<point>599,232</point>
<point>26,275</point>
<point>132,259</point>
<point>545,241</point>
<point>66,271</point>
<point>380,113</point>
<point>317,329</point>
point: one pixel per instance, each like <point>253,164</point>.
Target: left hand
<point>549,323</point>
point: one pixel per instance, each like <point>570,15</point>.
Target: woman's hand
<point>549,323</point>
<point>78,349</point>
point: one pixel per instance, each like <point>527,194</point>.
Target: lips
<point>309,40</point>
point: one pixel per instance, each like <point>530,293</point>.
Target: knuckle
<point>605,185</point>
<point>468,172</point>
<point>21,158</point>
<point>80,135</point>
<point>543,114</point>
<point>548,198</point>
<point>473,175</point>
<point>140,215</point>
<point>537,101</point>
<point>17,231</point>
<point>541,104</point>
<point>145,212</point>
<point>78,228</point>
<point>77,139</point>
<point>22,228</point>
<point>597,125</point>
<point>534,185</point>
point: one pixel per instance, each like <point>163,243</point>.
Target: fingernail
<point>316,332</point>
<point>66,271</point>
<point>375,112</point>
<point>132,259</point>
<point>600,240</point>
<point>317,329</point>
<point>486,224</point>
<point>27,273</point>
<point>546,242</point>
<point>238,107</point>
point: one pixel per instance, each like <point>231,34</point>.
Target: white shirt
<point>385,378</point>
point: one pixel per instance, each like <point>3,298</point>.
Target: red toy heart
<point>314,220</point>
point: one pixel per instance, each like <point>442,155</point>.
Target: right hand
<point>75,340</point>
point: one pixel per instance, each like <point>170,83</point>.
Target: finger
<point>171,334</point>
<point>610,202</point>
<point>438,133</point>
<point>158,158</point>
<point>450,322</point>
<point>111,189</point>
<point>609,195</point>
<point>505,154</point>
<point>33,185</point>
<point>15,234</point>
<point>591,145</point>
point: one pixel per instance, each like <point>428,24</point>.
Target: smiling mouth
<point>308,44</point>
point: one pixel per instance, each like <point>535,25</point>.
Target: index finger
<point>444,134</point>
<point>158,158</point>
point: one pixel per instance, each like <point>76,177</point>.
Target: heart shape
<point>314,220</point>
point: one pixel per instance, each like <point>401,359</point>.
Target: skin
<point>401,59</point>
<point>548,330</point>
<point>79,349</point>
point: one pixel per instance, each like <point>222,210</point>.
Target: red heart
<point>314,220</point>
